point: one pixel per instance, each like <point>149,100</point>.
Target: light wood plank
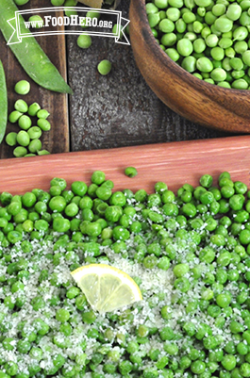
<point>174,163</point>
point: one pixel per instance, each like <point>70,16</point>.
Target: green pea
<point>33,109</point>
<point>204,64</point>
<point>104,67</point>
<point>21,2</point>
<point>224,43</point>
<point>218,74</point>
<point>23,86</point>
<point>14,116</point>
<point>229,362</point>
<point>180,26</point>
<point>24,122</point>
<point>84,41</point>
<point>11,369</point>
<point>229,52</point>
<point>223,24</point>
<point>36,21</point>
<point>43,124</point>
<point>173,54</point>
<point>151,8</point>
<point>223,300</point>
<point>42,113</point>
<point>20,151</point>
<point>180,270</point>
<point>236,202</point>
<point>234,12</point>
<point>198,367</point>
<point>166,26</point>
<point>246,57</point>
<point>34,132</point>
<point>23,138</point>
<point>188,17</point>
<point>175,3</point>
<point>199,45</point>
<point>217,53</point>
<point>62,315</point>
<point>197,27</point>
<point>153,19</point>
<point>11,139</point>
<point>189,64</point>
<point>218,9</point>
<point>184,47</point>
<point>43,152</point>
<point>20,106</point>
<point>35,145</point>
<point>212,40</point>
<point>161,4</point>
<point>245,369</point>
<point>130,172</point>
<point>191,36</point>
<point>173,14</point>
<point>240,33</point>
<point>244,5</point>
<point>71,210</point>
<point>236,63</point>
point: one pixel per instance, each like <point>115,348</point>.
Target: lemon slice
<point>106,288</point>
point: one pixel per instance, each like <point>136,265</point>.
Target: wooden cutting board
<point>57,139</point>
<point>174,163</point>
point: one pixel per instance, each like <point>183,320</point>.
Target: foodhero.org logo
<point>73,20</point>
<point>50,24</point>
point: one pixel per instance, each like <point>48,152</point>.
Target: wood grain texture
<point>57,140</point>
<point>200,102</point>
<point>174,163</point>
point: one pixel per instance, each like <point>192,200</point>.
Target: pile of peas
<point>207,38</point>
<point>27,141</point>
<point>201,323</point>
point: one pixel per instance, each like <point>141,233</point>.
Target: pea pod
<point>3,103</point>
<point>29,53</point>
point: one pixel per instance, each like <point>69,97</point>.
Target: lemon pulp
<point>106,288</point>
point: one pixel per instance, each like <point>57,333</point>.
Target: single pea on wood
<point>33,109</point>
<point>42,113</point>
<point>21,106</point>
<point>104,67</point>
<point>130,172</point>
<point>84,41</point>
<point>11,139</point>
<point>23,138</point>
<point>14,116</point>
<point>22,87</point>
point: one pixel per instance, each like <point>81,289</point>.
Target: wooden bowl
<point>192,98</point>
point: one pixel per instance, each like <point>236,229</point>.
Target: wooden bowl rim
<point>155,47</point>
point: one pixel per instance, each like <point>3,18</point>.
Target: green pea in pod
<point>29,53</point>
<point>3,103</point>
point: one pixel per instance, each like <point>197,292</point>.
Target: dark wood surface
<point>57,139</point>
<point>110,111</point>
<point>119,109</point>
